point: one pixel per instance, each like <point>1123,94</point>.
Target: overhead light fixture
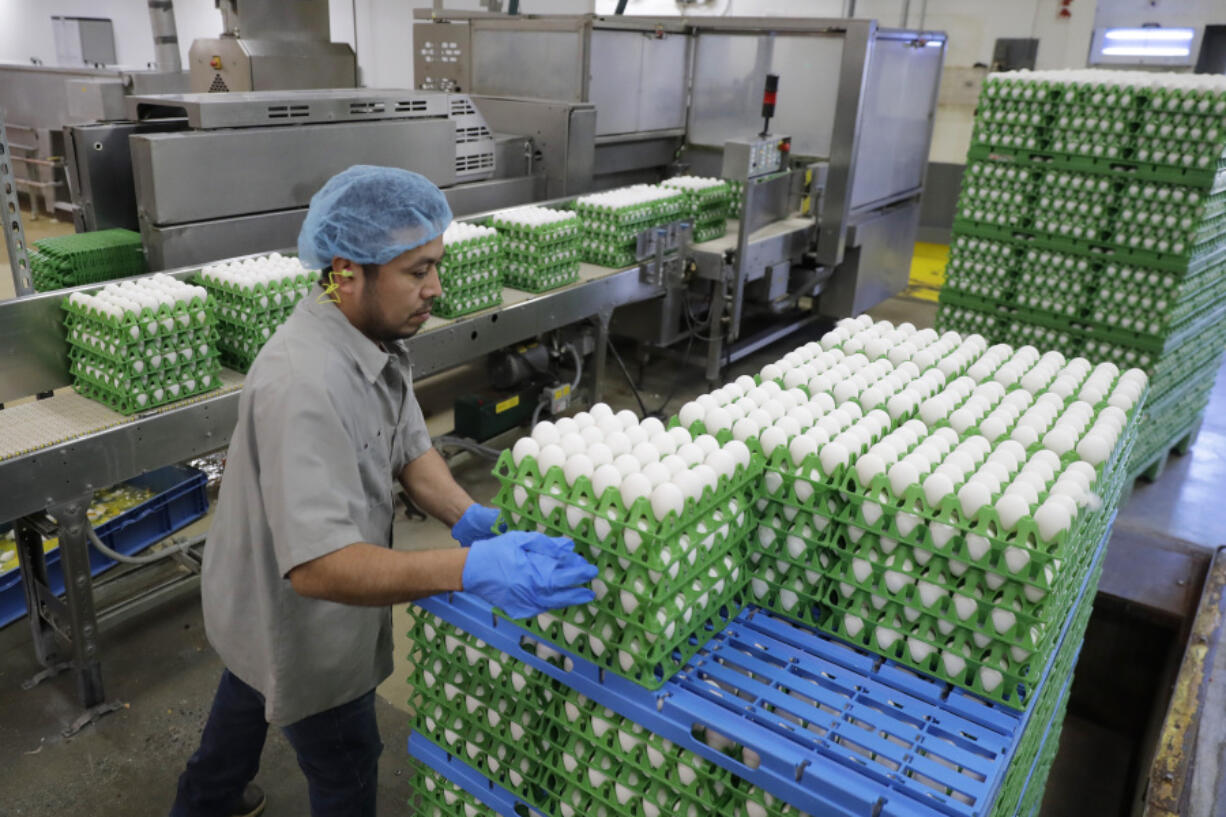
<point>1133,34</point>
<point>1148,42</point>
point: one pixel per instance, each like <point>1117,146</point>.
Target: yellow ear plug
<point>328,293</point>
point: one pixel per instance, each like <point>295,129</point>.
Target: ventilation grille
<point>288,111</point>
<point>366,108</point>
<point>480,161</point>
<point>463,135</point>
<point>219,85</point>
<point>462,107</point>
<point>410,105</point>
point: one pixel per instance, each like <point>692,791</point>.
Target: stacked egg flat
<point>929,497</point>
<point>665,516</point>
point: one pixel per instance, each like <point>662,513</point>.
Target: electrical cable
<point>139,560</point>
<point>622,365</point>
<point>465,444</point>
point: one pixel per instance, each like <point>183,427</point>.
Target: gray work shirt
<point>326,421</point>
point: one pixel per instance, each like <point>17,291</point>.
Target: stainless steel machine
<point>267,45</point>
<point>828,233</point>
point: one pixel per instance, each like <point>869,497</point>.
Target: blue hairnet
<point>370,215</point>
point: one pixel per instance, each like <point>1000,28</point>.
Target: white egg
<point>633,488</point>
<point>717,420</point>
<point>721,462</point>
<point>745,383</point>
<point>973,496</point>
<point>674,464</point>
<point>565,425</point>
<point>572,443</point>
<point>1052,518</point>
<point>605,477</point>
<point>577,465</point>
<point>584,420</point>
<point>600,454</point>
<point>645,453</point>
<point>600,411</point>
<point>739,451</point>
<point>592,435</point>
<point>801,447</point>
<point>771,439</point>
<point>635,435</point>
<point>618,443</point>
<point>706,475</point>
<point>652,426</point>
<point>525,447</point>
<point>869,466</point>
<point>627,418</point>
<point>658,473</point>
<point>691,413</point>
<point>692,453</point>
<point>545,433</point>
<point>689,483</point>
<point>627,464</point>
<point>833,456</point>
<point>666,498</point>
<point>744,429</point>
<point>664,443</point>
<point>551,456</point>
<point>936,487</point>
<point>707,443</point>
<point>771,371</point>
<point>1011,508</point>
<point>609,426</point>
<point>1060,439</point>
<point>680,436</point>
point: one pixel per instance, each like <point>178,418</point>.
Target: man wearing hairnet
<point>299,573</point>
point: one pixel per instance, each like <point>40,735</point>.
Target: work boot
<point>251,804</point>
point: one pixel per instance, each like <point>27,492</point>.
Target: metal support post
<point>70,622</point>
<point>14,235</point>
<point>715,328</point>
<point>601,353</point>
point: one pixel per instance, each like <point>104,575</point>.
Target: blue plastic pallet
<point>875,738</point>
<point>181,497</point>
<point>468,778</point>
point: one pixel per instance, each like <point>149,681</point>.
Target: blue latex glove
<point>476,523</point>
<point>526,573</point>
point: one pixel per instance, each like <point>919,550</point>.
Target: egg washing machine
<point>824,228</point>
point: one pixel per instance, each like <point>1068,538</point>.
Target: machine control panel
<point>749,158</point>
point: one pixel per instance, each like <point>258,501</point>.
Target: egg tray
<point>638,518</point>
<point>472,251</point>
<point>609,255</point>
<point>122,377</point>
<point>1210,178</point>
<point>260,296</point>
<point>666,777</point>
<point>543,256</point>
<point>541,234</point>
<point>439,797</point>
<point>127,402</point>
<point>709,232</point>
<point>123,351</point>
<point>1015,688</point>
<point>1026,780</point>
<point>1151,451</point>
<point>451,305</point>
<point>475,280</point>
<point>530,279</point>
<point>655,210</point>
<point>642,606</point>
<point>716,195</point>
<point>233,318</point>
<point>572,735</point>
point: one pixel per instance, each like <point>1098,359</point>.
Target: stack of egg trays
<point>707,208</point>
<point>540,258</point>
<point>247,317</point>
<point>143,361</point>
<point>438,796</point>
<point>471,276</point>
<point>803,717</point>
<point>86,258</point>
<point>657,597</point>
<point>553,747</point>
<point>610,238</point>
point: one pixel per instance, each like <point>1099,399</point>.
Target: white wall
<point>25,27</point>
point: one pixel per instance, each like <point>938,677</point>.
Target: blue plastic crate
<point>865,737</point>
<point>181,497</point>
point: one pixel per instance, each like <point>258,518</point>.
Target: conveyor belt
<point>56,448</point>
<point>68,416</point>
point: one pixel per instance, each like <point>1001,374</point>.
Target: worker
<point>299,573</point>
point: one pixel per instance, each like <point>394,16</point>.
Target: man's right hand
<point>526,573</point>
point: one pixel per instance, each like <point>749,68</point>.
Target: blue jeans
<point>338,750</point>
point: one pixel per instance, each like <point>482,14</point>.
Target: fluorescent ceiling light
<point>1150,34</point>
<point>1140,50</point>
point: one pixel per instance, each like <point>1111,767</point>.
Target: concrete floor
<point>162,668</point>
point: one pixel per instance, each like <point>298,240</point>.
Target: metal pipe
<point>165,36</point>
